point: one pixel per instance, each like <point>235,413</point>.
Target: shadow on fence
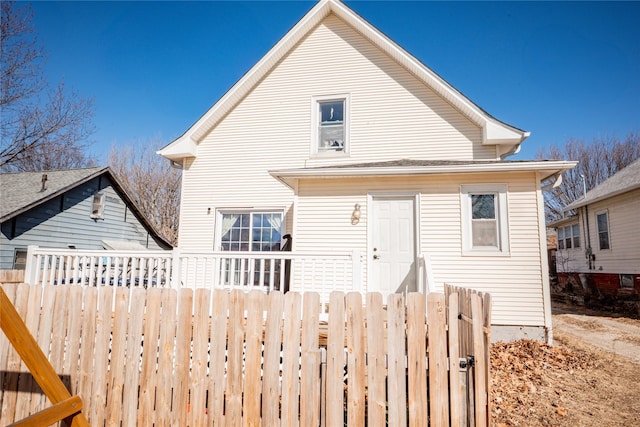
<point>184,357</point>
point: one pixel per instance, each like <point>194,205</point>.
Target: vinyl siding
<point>324,223</point>
<point>392,116</point>
<point>624,234</point>
<point>46,225</point>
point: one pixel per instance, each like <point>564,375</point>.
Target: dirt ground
<point>589,377</point>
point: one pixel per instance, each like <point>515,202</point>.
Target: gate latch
<point>469,362</point>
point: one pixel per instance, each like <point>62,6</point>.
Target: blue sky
<point>556,69</point>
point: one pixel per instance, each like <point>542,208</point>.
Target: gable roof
<point>22,191</point>
<point>623,181</point>
<point>494,131</point>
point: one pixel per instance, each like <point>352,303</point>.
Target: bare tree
<point>152,183</point>
<point>597,161</point>
<point>40,125</point>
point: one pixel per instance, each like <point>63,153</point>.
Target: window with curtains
<point>251,231</point>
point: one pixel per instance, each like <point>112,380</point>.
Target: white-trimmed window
<point>20,259</point>
<point>569,237</point>
<point>330,125</point>
<point>626,281</point>
<point>484,220</point>
<point>97,206</point>
<point>250,231</point>
<point>602,220</point>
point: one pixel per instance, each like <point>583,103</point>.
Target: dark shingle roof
<point>625,180</point>
<point>23,190</point>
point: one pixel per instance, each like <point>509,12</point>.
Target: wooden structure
<point>182,357</point>
<point>65,407</point>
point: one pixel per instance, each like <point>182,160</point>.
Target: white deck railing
<point>267,271</point>
<point>321,272</point>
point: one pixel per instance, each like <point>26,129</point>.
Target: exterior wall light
<point>355,215</point>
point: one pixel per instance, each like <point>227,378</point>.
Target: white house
<point>343,140</point>
<point>599,245</point>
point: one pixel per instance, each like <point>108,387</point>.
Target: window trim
<point>500,191</point>
<point>218,227</point>
<point>565,233</point>
<point>626,281</point>
<point>315,124</point>
<point>16,252</point>
<point>97,205</point>
<point>608,231</point>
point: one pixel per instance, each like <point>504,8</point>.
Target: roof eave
<point>584,202</point>
<point>53,195</point>
<point>563,221</point>
<point>181,148</point>
<point>546,169</point>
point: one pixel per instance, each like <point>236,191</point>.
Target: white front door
<point>392,252</point>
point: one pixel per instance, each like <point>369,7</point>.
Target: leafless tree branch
<point>154,185</point>
<point>42,128</point>
<point>597,161</point>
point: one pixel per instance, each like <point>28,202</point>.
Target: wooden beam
<point>53,414</point>
<point>29,351</point>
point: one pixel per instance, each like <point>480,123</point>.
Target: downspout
<point>589,250</point>
<point>514,150</point>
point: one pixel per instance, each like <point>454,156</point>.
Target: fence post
<point>31,265</point>
<point>176,268</point>
<point>357,270</point>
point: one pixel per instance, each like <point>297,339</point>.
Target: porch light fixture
<point>355,215</point>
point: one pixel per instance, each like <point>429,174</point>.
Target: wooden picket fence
<point>169,357</point>
<point>11,276</point>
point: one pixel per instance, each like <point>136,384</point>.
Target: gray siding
<point>66,220</point>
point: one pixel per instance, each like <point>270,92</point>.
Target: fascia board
<point>563,221</point>
<point>239,90</point>
<point>547,169</point>
<point>583,202</point>
<point>179,149</point>
<point>495,132</point>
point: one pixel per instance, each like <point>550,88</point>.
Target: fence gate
<point>169,357</point>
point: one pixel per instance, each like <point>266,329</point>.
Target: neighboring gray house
<point>77,209</point>
<point>599,245</point>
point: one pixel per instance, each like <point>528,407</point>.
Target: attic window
<point>330,118</point>
<point>97,207</point>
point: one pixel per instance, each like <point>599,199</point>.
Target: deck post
<point>176,268</point>
<point>31,265</point>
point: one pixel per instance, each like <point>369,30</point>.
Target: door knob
<point>376,257</point>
